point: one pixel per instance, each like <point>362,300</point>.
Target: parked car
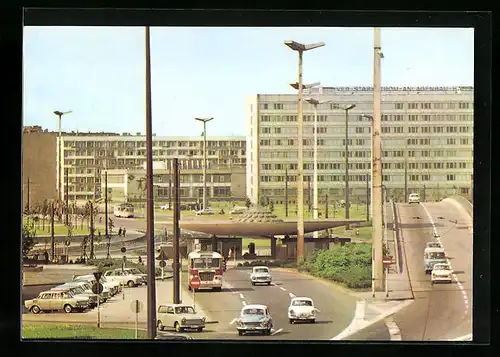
<point>205,212</point>
<point>238,210</point>
<point>441,273</point>
<point>55,300</point>
<point>125,277</point>
<point>261,275</point>
<point>179,317</point>
<point>78,292</point>
<point>254,318</point>
<point>113,286</point>
<point>80,288</point>
<point>302,308</point>
<point>414,198</point>
<point>164,207</point>
<point>87,287</point>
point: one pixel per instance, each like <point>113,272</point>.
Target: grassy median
<point>58,331</point>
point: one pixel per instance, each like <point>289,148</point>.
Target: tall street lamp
<point>204,120</point>
<point>300,48</point>
<point>346,110</point>
<point>59,174</point>
<point>315,104</point>
<point>370,117</point>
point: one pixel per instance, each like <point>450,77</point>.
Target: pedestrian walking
<point>123,232</point>
<point>120,231</point>
<point>139,259</point>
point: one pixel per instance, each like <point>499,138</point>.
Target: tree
<point>28,234</point>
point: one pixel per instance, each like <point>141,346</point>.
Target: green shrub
<point>239,265</point>
<point>349,264</point>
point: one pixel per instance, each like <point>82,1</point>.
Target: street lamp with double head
<point>300,48</point>
<point>59,174</point>
<point>204,121</point>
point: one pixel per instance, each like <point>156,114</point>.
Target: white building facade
<point>433,126</point>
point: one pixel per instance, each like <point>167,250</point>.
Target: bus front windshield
<point>204,263</point>
<point>435,255</point>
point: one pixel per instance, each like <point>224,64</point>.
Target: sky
<point>99,72</point>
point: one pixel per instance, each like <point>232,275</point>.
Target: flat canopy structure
<point>261,229</point>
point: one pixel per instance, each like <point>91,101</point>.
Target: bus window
<point>198,263</point>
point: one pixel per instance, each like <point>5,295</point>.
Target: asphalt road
<point>443,311</point>
<point>336,307</point>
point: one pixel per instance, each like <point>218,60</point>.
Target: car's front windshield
<point>253,312</point>
<point>262,270</point>
<point>184,310</point>
<point>436,255</point>
<point>302,303</point>
<point>441,267</point>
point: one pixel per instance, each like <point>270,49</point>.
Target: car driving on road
<point>254,318</point>
<point>414,198</point>
<point>433,245</point>
<point>261,275</point>
<point>55,300</point>
<point>179,317</point>
<point>441,273</point>
<point>433,256</point>
<point>302,308</point>
<point>205,212</point>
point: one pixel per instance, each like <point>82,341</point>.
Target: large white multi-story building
<point>434,125</point>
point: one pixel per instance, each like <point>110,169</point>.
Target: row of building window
<point>367,166</point>
<point>384,118</point>
<point>438,105</point>
<point>352,178</point>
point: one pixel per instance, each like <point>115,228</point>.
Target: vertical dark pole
<point>106,200</point>
<point>309,193</point>
<point>91,230</point>
<point>177,212</point>
<point>326,206</point>
<point>28,199</point>
<point>367,199</point>
<point>347,166</point>
<point>151,308</point>
<point>423,198</point>
<point>286,190</point>
<point>67,195</point>
<point>170,186</point>
<point>52,239</point>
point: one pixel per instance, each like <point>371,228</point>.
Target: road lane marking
<point>233,321</point>
<point>241,296</point>
<point>291,295</point>
<point>277,331</point>
<point>358,325</point>
<point>393,329</point>
<point>282,288</point>
<point>244,303</point>
<point>459,284</point>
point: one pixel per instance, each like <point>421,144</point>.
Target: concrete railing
<point>465,203</point>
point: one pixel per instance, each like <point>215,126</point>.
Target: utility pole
<point>67,195</point>
<point>91,230</point>
<point>309,194</point>
<point>377,268</point>
<point>177,213</point>
<point>52,238</point>
<point>106,200</point>
<point>150,243</point>
<point>170,186</point>
<point>286,190</point>
<point>326,206</point>
<point>367,199</point>
<point>204,120</point>
<point>423,198</point>
<point>59,159</point>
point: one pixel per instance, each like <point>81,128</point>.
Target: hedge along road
<point>336,306</point>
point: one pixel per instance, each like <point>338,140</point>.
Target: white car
<point>180,317</point>
<point>164,207</point>
<point>238,210</point>
<point>441,273</point>
<point>433,245</point>
<point>303,309</point>
<point>254,318</point>
<point>261,275</point>
<point>414,198</point>
<point>125,277</point>
<point>205,212</point>
<point>112,286</point>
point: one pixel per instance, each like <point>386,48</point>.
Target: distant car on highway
<point>441,273</point>
<point>433,245</point>
<point>261,275</point>
<point>180,317</point>
<point>254,318</point>
<point>433,256</point>
<point>302,308</point>
<point>414,198</point>
<point>56,300</point>
<point>205,212</point>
